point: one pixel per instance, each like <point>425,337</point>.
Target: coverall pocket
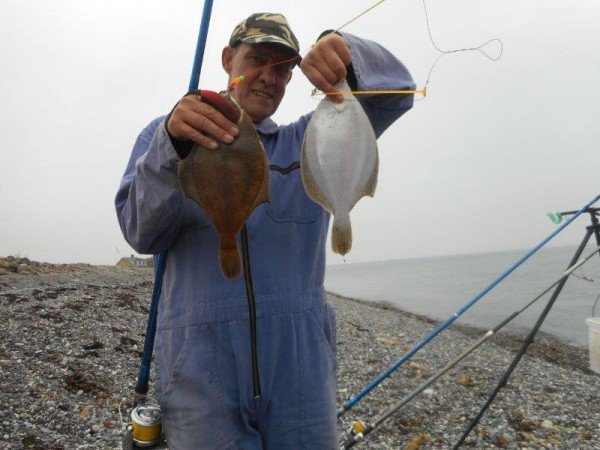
<point>192,400</point>
<point>317,381</point>
<point>288,201</point>
<point>325,319</point>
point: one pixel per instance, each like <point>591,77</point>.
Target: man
<point>215,391</point>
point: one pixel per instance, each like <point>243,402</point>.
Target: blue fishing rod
<point>160,260</point>
<point>350,403</point>
<point>145,429</point>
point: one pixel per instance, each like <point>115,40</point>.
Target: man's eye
<point>284,68</point>
<point>259,60</point>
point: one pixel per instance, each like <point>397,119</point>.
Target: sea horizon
<point>437,286</point>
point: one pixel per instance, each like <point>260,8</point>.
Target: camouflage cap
<point>265,27</point>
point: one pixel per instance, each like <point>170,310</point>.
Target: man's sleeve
<point>375,68</point>
<point>149,200</point>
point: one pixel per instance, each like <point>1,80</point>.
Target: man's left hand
<point>325,64</point>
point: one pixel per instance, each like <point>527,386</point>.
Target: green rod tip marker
<point>555,217</point>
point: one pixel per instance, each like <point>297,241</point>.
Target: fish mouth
<point>263,94</point>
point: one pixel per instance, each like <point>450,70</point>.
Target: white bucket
<point>594,327</point>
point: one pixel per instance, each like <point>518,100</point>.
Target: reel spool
<point>145,429</point>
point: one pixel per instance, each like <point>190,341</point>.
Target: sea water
<point>438,286</point>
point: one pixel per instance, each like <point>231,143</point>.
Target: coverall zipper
<point>252,310</point>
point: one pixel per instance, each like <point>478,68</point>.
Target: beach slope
<point>72,335</point>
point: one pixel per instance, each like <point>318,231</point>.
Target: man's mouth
<point>262,94</point>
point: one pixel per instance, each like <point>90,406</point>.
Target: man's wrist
<point>182,146</point>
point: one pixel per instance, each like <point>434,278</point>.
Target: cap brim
<point>269,39</point>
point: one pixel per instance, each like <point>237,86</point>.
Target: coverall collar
<point>266,126</point>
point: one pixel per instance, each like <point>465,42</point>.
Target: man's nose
<point>268,75</point>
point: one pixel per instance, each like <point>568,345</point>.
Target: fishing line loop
<point>442,53</point>
<point>583,276</point>
<point>479,48</point>
<point>594,307</point>
<point>458,50</point>
<point>240,78</point>
<point>423,92</point>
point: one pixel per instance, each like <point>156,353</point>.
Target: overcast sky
<point>472,168</point>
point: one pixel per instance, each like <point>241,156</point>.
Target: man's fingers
<point>337,66</point>
<point>203,124</point>
<point>321,83</point>
<point>342,50</point>
<point>196,136</point>
<point>325,65</point>
<point>322,66</point>
<point>318,80</point>
<point>213,114</point>
<point>199,122</point>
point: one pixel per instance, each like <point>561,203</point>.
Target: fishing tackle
<point>441,52</point>
<point>351,402</point>
<point>146,424</point>
<point>555,217</point>
<point>359,430</point>
<point>314,93</point>
<point>592,229</point>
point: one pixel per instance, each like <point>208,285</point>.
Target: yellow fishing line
<point>240,79</point>
<point>351,20</point>
<point>315,93</point>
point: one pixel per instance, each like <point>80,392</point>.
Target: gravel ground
<point>71,338</point>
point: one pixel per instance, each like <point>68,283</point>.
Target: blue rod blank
<point>350,403</point>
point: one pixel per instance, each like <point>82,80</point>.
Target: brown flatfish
<point>228,183</point>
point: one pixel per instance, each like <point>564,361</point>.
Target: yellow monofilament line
<point>423,92</point>
<point>239,79</point>
<point>352,20</point>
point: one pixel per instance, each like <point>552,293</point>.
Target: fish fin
<point>372,183</point>
<point>310,185</point>
<point>341,234</point>
<point>229,257</point>
<point>185,171</point>
<point>263,194</point>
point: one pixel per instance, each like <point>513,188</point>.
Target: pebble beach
<point>71,338</point>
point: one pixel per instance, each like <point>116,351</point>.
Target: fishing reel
<point>145,429</point>
<point>353,435</point>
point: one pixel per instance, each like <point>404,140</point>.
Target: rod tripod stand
<point>593,229</point>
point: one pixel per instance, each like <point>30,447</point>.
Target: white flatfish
<point>339,162</point>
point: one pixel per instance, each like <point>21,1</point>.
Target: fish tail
<point>229,254</point>
<point>341,234</point>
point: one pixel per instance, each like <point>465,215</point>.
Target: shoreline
<point>546,346</point>
<point>544,404</point>
<point>72,337</point>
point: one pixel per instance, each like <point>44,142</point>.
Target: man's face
<point>261,91</point>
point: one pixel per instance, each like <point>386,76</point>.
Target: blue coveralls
<point>203,356</point>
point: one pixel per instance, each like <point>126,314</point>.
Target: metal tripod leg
<point>590,229</point>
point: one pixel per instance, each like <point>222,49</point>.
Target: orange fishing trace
<point>239,79</point>
<point>423,92</point>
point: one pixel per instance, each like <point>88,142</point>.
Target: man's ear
<point>289,78</point>
<point>227,59</point>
